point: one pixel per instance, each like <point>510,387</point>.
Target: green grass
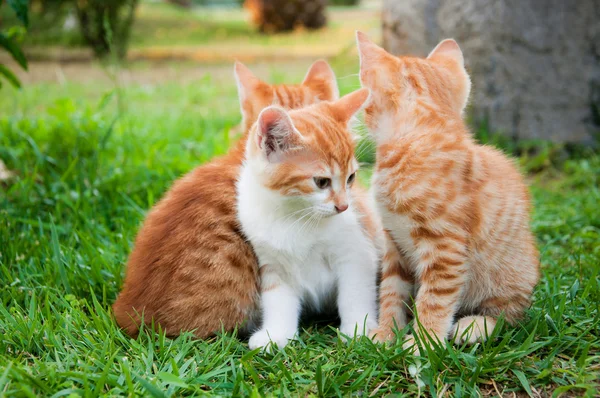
<point>91,160</point>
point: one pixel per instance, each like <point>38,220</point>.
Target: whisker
<point>290,215</point>
<point>299,219</point>
<point>308,222</point>
<point>349,76</point>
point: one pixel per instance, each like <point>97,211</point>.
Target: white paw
<point>472,329</point>
<point>264,338</point>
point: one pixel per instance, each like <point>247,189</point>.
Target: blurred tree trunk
<point>273,16</point>
<point>106,24</point>
<point>535,65</point>
<point>181,3</point>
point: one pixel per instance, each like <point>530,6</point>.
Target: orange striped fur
<point>457,212</point>
<point>191,268</point>
<point>319,84</point>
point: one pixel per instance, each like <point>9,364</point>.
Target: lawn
<point>92,155</point>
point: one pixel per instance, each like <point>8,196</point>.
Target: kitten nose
<point>341,208</point>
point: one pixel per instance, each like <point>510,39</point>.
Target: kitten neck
<point>415,121</point>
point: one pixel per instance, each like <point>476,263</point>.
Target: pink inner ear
<point>275,131</point>
<point>269,118</point>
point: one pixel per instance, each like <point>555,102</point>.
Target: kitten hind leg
<point>512,306</point>
<point>472,329</point>
<point>441,274</point>
<point>394,293</point>
<point>477,328</point>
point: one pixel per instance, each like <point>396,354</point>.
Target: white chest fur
<point>305,250</point>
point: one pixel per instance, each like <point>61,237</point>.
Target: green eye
<point>322,182</point>
<point>351,178</point>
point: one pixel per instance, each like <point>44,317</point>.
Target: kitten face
<point>307,156</point>
<point>401,84</point>
<point>319,84</point>
<point>332,193</point>
<point>306,178</point>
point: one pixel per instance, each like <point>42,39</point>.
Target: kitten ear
<point>347,106</point>
<point>321,79</point>
<point>253,93</point>
<point>448,48</point>
<point>246,81</point>
<point>369,53</point>
<point>276,133</point>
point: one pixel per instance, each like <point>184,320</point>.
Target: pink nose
<point>341,208</point>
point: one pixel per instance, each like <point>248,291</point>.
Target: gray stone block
<point>535,64</point>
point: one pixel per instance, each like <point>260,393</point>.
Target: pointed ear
<point>448,48</point>
<point>246,81</point>
<point>276,134</point>
<point>347,106</point>
<point>254,94</point>
<point>369,52</point>
<point>321,79</point>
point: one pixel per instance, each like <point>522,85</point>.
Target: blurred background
<point>535,69</point>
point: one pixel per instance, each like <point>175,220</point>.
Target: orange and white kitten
<point>457,213</point>
<point>315,240</point>
<point>192,268</point>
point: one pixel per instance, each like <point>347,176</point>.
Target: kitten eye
<point>351,178</point>
<point>322,182</point>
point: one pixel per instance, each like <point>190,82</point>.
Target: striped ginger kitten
<point>309,224</point>
<point>191,268</point>
<point>457,212</point>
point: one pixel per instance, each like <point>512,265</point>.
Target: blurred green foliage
<point>103,25</point>
<point>9,40</point>
<point>106,24</point>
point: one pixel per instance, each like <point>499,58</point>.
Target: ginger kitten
<point>457,213</point>
<point>316,242</point>
<point>191,268</point>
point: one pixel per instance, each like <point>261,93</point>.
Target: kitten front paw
<point>410,344</point>
<point>267,340</point>
<point>382,334</point>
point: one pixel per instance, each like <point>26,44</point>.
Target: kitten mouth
<point>329,215</point>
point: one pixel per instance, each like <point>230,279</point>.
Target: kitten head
<point>306,156</point>
<point>319,84</point>
<point>404,86</point>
